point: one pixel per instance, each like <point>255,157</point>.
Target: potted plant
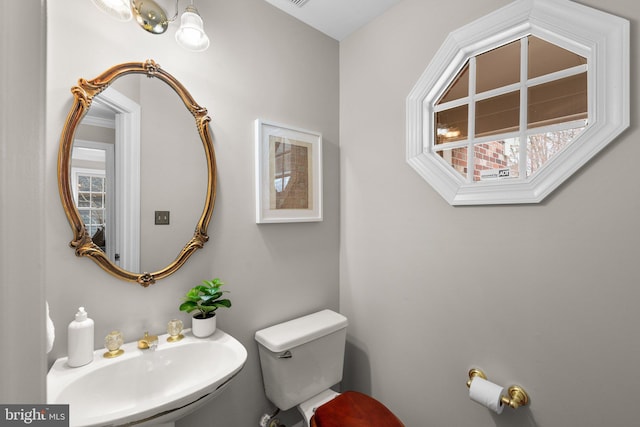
<point>205,299</point>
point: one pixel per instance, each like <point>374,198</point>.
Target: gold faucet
<point>148,341</point>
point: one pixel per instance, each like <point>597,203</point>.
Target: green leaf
<point>188,306</point>
<point>193,294</point>
<point>205,297</point>
<point>223,303</point>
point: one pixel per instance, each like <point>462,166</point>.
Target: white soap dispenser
<point>80,340</point>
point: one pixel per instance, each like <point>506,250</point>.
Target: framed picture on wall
<point>288,173</point>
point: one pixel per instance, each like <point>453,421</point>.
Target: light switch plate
<point>162,217</point>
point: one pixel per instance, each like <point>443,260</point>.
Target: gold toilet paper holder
<point>517,396</point>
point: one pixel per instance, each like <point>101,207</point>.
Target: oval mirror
<point>131,174</point>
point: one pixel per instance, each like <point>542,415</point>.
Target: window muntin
<point>555,98</point>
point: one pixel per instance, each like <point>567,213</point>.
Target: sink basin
<point>146,387</point>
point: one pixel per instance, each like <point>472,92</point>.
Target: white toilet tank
<point>302,357</point>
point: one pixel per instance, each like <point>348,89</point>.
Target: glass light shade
<point>191,33</point>
<point>150,15</point>
<point>118,9</point>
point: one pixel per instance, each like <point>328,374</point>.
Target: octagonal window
<point>509,108</point>
<point>519,121</point>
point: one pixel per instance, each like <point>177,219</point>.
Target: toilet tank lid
<point>287,335</point>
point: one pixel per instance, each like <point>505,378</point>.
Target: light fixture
<point>191,33</point>
<point>153,18</point>
<point>118,9</point>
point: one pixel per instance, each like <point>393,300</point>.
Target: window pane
<point>451,125</point>
<point>459,88</point>
<point>499,114</point>
<point>97,183</point>
<point>496,160</point>
<point>456,158</point>
<point>558,101</point>
<point>83,183</point>
<point>84,200</point>
<point>97,217</point>
<point>546,58</point>
<point>97,201</point>
<point>541,147</point>
<point>498,67</point>
<point>85,215</point>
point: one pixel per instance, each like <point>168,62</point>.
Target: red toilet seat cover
<point>354,409</point>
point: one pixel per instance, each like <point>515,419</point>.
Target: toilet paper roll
<point>487,394</point>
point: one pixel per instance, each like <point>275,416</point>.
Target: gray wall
<point>261,63</point>
<point>22,237</point>
<point>431,291</point>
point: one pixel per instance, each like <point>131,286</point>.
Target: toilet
<point>302,359</point>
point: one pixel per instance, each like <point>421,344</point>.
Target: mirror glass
<point>140,173</point>
<point>172,175</point>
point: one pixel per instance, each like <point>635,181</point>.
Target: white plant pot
<point>202,328</point>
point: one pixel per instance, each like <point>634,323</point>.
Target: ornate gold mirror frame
<point>83,94</point>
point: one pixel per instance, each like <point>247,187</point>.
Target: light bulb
<point>118,9</point>
<point>191,33</point>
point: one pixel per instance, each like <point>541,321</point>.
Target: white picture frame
<point>288,173</point>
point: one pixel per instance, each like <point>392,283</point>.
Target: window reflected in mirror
<point>92,179</point>
<point>90,194</point>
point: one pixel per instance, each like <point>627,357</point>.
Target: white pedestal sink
<point>146,387</point>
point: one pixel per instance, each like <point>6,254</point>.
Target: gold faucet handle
<point>148,341</point>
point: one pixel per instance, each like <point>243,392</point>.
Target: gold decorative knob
<point>113,342</point>
<point>174,329</point>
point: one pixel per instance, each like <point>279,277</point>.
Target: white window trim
<point>600,37</point>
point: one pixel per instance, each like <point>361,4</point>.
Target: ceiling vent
<point>298,3</point>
